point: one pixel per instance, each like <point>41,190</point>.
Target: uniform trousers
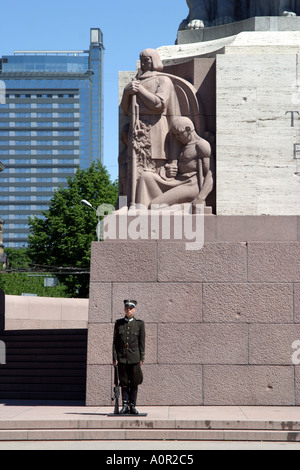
<point>130,376</point>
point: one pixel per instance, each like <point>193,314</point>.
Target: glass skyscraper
<point>51,123</point>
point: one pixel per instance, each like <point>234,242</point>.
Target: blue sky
<point>128,27</point>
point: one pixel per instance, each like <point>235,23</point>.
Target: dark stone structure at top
<point>216,19</point>
<point>205,13</point>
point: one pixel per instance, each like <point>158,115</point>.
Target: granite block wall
<point>255,138</point>
<point>220,322</point>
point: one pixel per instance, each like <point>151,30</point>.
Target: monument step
<point>146,429</point>
<point>148,435</point>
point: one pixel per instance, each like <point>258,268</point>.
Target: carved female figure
<point>148,99</point>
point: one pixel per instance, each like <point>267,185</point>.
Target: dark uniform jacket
<point>129,341</point>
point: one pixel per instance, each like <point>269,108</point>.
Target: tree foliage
<point>62,236</point>
<point>17,282</point>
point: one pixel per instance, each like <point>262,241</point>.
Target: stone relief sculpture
<point>153,101</point>
<point>204,13</point>
<point>188,179</point>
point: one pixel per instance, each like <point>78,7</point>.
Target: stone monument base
<point>222,322</point>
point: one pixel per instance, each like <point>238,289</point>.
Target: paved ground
<point>13,412</point>
<point>148,445</point>
<point>24,410</point>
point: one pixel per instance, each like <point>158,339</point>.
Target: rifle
<point>116,395</point>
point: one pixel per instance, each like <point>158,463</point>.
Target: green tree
<point>20,278</point>
<point>62,237</point>
<point>18,258</point>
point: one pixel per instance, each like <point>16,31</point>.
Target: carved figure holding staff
<point>147,100</point>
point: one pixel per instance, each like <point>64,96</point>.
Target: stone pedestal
<point>258,138</point>
<point>220,321</point>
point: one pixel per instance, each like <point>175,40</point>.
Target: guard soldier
<point>129,355</point>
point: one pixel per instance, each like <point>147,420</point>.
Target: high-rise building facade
<point>51,123</point>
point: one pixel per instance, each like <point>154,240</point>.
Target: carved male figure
<point>187,178</point>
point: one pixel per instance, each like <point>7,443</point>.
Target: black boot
<point>133,410</point>
<point>125,410</point>
<point>132,400</point>
<point>125,400</point>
